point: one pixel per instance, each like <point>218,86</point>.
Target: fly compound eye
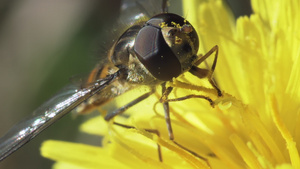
<point>166,46</point>
<point>155,54</point>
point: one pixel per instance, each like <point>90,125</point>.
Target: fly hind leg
<point>148,130</point>
<point>159,147</point>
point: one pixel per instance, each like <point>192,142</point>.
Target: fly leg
<point>148,130</point>
<point>130,104</point>
<point>166,92</point>
<point>164,99</point>
<point>203,73</point>
<point>211,102</point>
<point>158,146</point>
<point>125,107</point>
<point>195,154</point>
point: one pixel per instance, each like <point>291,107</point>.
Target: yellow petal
<point>95,126</point>
<point>81,155</point>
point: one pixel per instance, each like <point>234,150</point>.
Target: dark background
<point>42,45</point>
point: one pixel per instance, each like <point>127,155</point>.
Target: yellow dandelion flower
<point>253,125</point>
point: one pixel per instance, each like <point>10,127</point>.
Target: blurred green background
<point>42,45</point>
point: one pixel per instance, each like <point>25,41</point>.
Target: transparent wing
<point>48,113</point>
<point>71,97</point>
<point>131,12</point>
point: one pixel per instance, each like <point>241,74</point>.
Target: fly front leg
<point>203,73</point>
<point>164,97</point>
<point>211,102</point>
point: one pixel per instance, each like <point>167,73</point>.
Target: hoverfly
<point>152,50</point>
